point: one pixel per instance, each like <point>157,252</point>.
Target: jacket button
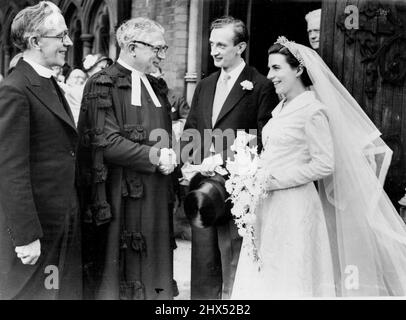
<point>72,153</point>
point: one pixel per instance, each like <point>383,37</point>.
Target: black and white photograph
<point>228,151</point>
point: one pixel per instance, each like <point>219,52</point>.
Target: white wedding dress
<point>350,242</point>
<point>291,231</point>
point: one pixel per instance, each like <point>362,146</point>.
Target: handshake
<point>167,161</point>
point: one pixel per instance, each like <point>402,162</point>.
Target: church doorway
<point>266,20</point>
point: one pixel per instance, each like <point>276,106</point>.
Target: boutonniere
<point>247,85</point>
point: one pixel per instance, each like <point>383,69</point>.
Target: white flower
<point>244,189</point>
<point>241,140</point>
<point>250,218</point>
<point>242,232</point>
<point>247,85</point>
<point>239,209</point>
<point>244,198</point>
<point>244,166</point>
<point>229,186</point>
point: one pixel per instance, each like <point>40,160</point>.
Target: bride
<point>340,236</point>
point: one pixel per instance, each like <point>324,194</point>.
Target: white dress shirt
<point>224,85</point>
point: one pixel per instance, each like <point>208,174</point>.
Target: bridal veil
<point>367,235</point>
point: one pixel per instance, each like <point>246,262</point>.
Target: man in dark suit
<point>236,97</point>
<point>39,234</point>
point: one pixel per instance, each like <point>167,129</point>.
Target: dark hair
<point>240,30</point>
<point>291,60</point>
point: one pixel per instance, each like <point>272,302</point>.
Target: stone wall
<point>173,15</point>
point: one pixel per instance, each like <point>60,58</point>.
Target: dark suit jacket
<point>243,109</point>
<point>37,168</point>
<point>212,276</point>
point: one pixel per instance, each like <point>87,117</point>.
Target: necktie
<point>220,97</point>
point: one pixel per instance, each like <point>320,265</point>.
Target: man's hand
<point>30,253</point>
<point>167,161</point>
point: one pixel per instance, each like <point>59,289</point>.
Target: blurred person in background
<point>313,19</point>
<point>94,63</point>
<point>73,89</point>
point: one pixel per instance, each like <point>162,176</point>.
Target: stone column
<point>87,43</point>
<point>112,46</point>
<point>191,74</point>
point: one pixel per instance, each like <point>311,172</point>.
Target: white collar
<point>41,70</point>
<point>233,74</point>
<point>136,77</point>
<point>296,103</point>
<point>127,66</point>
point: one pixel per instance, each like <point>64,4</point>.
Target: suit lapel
<point>209,92</point>
<point>42,89</point>
<point>67,107</point>
<point>235,94</point>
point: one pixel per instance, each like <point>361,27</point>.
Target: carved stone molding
<point>87,39</point>
<point>382,39</point>
<point>101,29</point>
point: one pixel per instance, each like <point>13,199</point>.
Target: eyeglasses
<point>158,50</point>
<point>64,36</point>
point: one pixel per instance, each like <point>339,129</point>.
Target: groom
<point>235,97</point>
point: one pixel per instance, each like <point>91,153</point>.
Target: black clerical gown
<point>128,251</point>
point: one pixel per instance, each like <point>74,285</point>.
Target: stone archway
<point>74,23</point>
<point>101,30</point>
<point>99,21</point>
<point>75,30</point>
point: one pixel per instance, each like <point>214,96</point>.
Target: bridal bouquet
<point>244,189</point>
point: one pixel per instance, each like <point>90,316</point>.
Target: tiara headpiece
<point>291,47</point>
